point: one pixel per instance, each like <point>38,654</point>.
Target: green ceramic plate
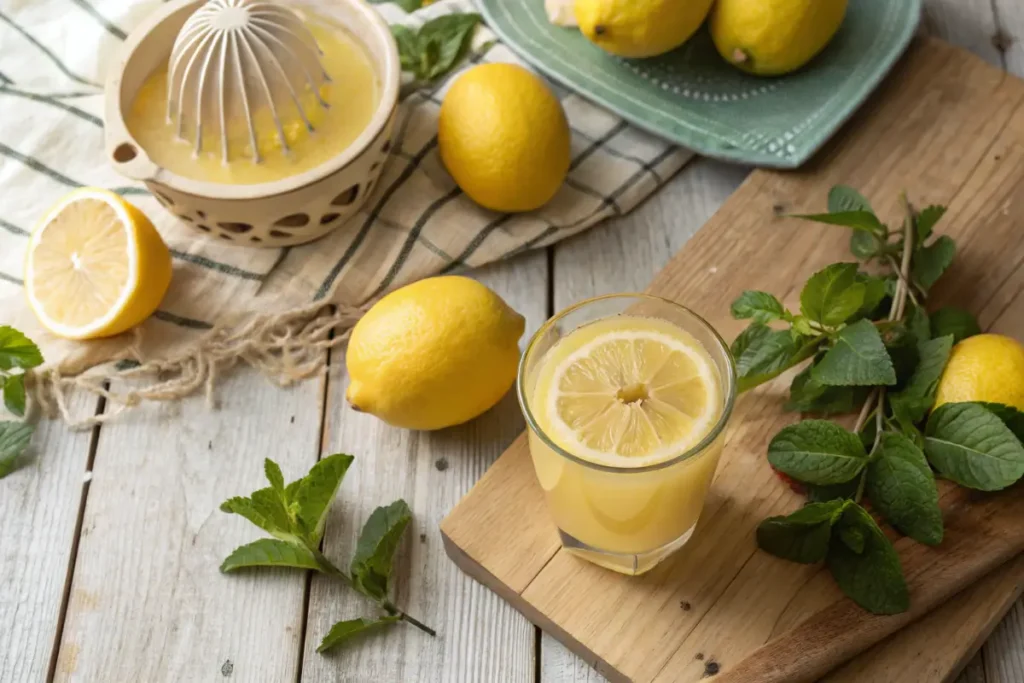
<point>693,97</point>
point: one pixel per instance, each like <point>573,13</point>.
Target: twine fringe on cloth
<point>286,348</point>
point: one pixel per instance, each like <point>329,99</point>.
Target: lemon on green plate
<point>95,266</point>
<point>695,98</point>
<point>433,354</point>
<point>640,28</point>
<point>774,37</point>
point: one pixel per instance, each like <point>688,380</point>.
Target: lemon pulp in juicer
<point>625,392</point>
<point>353,95</point>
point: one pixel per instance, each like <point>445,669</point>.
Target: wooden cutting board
<point>949,129</point>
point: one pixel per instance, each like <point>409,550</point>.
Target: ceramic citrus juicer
<point>260,123</point>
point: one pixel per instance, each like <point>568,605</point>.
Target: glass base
<point>632,564</point>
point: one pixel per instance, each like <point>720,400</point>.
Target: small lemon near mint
<point>774,37</point>
<point>95,266</point>
<point>987,368</point>
<point>640,28</point>
<point>504,138</point>
<point>433,354</point>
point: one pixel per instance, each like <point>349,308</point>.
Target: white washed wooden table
<point>110,540</point>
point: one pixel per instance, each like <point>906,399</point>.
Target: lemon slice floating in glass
<point>629,392</point>
<point>95,266</point>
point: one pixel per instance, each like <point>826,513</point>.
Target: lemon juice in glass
<point>626,398</point>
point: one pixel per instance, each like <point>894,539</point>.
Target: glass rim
<point>709,438</point>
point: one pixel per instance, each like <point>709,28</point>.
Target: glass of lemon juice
<point>626,397</point>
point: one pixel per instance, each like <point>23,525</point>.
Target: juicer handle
<point>129,159</point>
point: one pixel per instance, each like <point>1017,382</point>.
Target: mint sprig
<point>872,344</point>
<point>436,47</point>
<point>18,356</point>
<point>296,516</point>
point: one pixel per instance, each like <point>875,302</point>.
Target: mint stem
<point>328,568</point>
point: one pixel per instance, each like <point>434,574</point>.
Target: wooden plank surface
<point>40,505</point>
<point>39,509</point>
<point>147,600</point>
<point>967,158</point>
<point>480,637</point>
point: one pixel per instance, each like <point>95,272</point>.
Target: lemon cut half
<point>633,397</point>
<point>95,266</point>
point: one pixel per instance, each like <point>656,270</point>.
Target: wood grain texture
<point>39,506</point>
<point>480,637</point>
<point>147,601</point>
<point>970,159</point>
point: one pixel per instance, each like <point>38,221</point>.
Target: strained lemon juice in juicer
<point>254,92</point>
<point>626,398</point>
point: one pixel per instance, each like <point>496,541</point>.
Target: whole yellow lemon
<point>774,37</point>
<point>503,136</point>
<point>433,354</point>
<point>986,367</point>
<point>640,28</point>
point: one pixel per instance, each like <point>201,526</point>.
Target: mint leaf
<point>344,631</point>
<point>313,493</point>
<point>926,220</point>
<point>761,306</point>
<point>14,393</point>
<point>844,198</point>
<point>762,354</point>
<point>1011,417</point>
<point>17,350</point>
<point>954,321</point>
<point>864,245</point>
<point>817,452</point>
<point>802,536</point>
<point>930,262</point>
<point>901,486</point>
<point>969,444</point>
<point>269,552</point>
<point>918,395</point>
<point>375,550</point>
<point>859,358</point>
<point>408,47</point>
<point>445,39</point>
<point>857,220</point>
<point>873,578</point>
<point>274,476</point>
<point>918,325</point>
<point>874,292</point>
<point>808,396</point>
<point>853,538</point>
<point>266,510</point>
<point>820,494</point>
<point>833,294</point>
<point>901,346</point>
<point>407,5</point>
<point>14,438</point>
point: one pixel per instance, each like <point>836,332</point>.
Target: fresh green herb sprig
<point>18,355</point>
<point>872,345</point>
<point>436,47</point>
<point>295,516</point>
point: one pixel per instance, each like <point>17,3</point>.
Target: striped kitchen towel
<point>274,309</point>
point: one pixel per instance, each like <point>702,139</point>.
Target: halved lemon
<point>95,266</point>
<point>628,391</point>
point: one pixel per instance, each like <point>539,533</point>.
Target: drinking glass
<point>627,519</point>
